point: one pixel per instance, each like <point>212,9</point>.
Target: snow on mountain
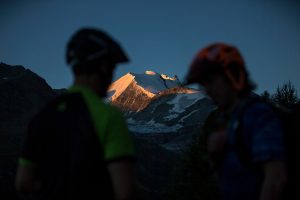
<point>155,82</point>
<point>119,86</point>
<point>151,83</point>
<point>171,111</point>
<point>151,127</point>
<point>183,101</point>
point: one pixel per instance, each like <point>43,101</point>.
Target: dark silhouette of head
<point>93,53</point>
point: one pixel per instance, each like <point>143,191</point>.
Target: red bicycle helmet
<point>218,57</point>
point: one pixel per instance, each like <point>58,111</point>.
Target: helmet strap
<point>238,84</point>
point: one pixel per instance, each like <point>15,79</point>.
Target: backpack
<point>70,160</point>
<point>291,127</point>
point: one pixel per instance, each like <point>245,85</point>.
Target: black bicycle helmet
<point>89,46</point>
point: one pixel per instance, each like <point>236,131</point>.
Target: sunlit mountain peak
<point>150,83</point>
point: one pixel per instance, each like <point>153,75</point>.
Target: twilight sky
<point>158,35</point>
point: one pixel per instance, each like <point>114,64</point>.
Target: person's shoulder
<point>49,106</point>
<point>262,112</point>
<point>257,106</point>
<point>44,115</point>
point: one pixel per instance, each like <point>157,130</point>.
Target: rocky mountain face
<point>133,92</point>
<point>162,116</point>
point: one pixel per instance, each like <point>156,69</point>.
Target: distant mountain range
<point>162,115</point>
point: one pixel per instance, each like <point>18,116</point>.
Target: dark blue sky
<point>158,35</point>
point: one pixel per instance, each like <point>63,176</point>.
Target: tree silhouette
<point>285,95</point>
<point>266,96</point>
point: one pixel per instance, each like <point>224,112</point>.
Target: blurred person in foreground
<point>220,68</point>
<point>78,147</point>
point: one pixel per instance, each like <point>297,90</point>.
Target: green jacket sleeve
<point>117,140</point>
